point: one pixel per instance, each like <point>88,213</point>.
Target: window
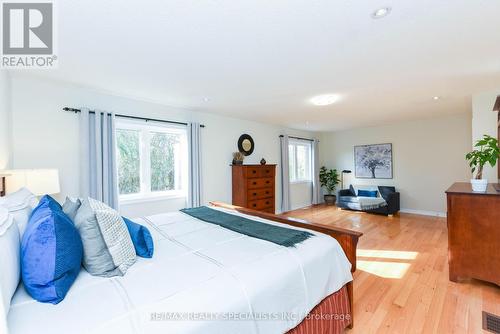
<point>151,160</point>
<point>129,168</point>
<point>300,158</point>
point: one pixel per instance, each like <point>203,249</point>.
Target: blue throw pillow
<point>49,202</point>
<point>51,253</point>
<point>141,238</point>
<point>367,193</point>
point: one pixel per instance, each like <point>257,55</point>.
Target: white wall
<point>45,136</point>
<point>484,122</point>
<point>5,147</point>
<point>428,156</point>
<point>300,195</point>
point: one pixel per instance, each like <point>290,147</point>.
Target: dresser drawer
<point>260,193</point>
<point>267,171</point>
<point>261,204</point>
<point>260,183</point>
<point>253,172</point>
<point>260,171</point>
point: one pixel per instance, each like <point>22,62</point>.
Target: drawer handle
<point>254,205</point>
<point>255,194</point>
<point>267,202</point>
<point>254,183</point>
<point>267,182</point>
<point>254,171</point>
<point>267,192</point>
<point>267,170</point>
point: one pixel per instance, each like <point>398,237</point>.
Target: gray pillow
<point>71,206</point>
<point>107,247</point>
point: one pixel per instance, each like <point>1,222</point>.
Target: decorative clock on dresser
<point>254,187</point>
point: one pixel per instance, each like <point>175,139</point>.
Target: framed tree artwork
<point>373,161</point>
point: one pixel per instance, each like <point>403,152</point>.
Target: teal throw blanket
<point>279,235</point>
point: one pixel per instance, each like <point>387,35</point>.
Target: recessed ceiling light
<point>436,98</point>
<point>381,12</point>
<point>324,100</point>
<point>206,99</point>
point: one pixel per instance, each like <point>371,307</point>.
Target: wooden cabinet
<point>254,187</point>
<point>473,233</point>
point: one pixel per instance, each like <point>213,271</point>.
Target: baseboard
<point>415,212</point>
<point>300,206</point>
<point>424,213</point>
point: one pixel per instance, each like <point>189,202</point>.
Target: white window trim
<point>145,128</point>
<point>301,182</point>
<point>136,198</point>
<point>300,142</point>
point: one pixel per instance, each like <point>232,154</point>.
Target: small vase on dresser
<point>254,187</point>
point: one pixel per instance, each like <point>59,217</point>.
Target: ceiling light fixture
<point>435,98</point>
<point>324,100</point>
<point>381,12</point>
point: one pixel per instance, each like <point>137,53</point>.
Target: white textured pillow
<point>20,204</point>
<point>107,247</point>
<point>3,319</point>
<point>115,234</point>
<point>10,263</point>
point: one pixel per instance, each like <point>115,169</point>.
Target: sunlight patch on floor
<point>383,269</point>
<point>387,254</point>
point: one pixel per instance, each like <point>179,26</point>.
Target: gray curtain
<point>316,187</point>
<point>194,144</point>
<point>285,176</point>
<point>98,175</point>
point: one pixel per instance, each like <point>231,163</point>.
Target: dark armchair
<point>346,199</point>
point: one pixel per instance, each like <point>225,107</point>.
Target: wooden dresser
<point>254,187</point>
<point>473,233</point>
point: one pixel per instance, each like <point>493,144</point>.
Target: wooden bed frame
<point>348,239</point>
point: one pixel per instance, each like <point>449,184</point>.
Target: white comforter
<point>202,279</point>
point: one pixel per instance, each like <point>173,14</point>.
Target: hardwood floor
<point>401,284</point>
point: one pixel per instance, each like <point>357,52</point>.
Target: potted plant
<point>329,180</point>
<point>238,158</point>
<point>486,152</point>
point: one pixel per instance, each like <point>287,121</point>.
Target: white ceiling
<point>263,59</point>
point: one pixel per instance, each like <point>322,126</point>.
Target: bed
<point>207,279</point>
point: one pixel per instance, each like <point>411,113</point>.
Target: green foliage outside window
<point>129,181</point>
<point>162,152</point>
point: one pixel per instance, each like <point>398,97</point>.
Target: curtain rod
<point>133,117</point>
<point>299,138</point>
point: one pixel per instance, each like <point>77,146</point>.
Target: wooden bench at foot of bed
<point>348,239</point>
